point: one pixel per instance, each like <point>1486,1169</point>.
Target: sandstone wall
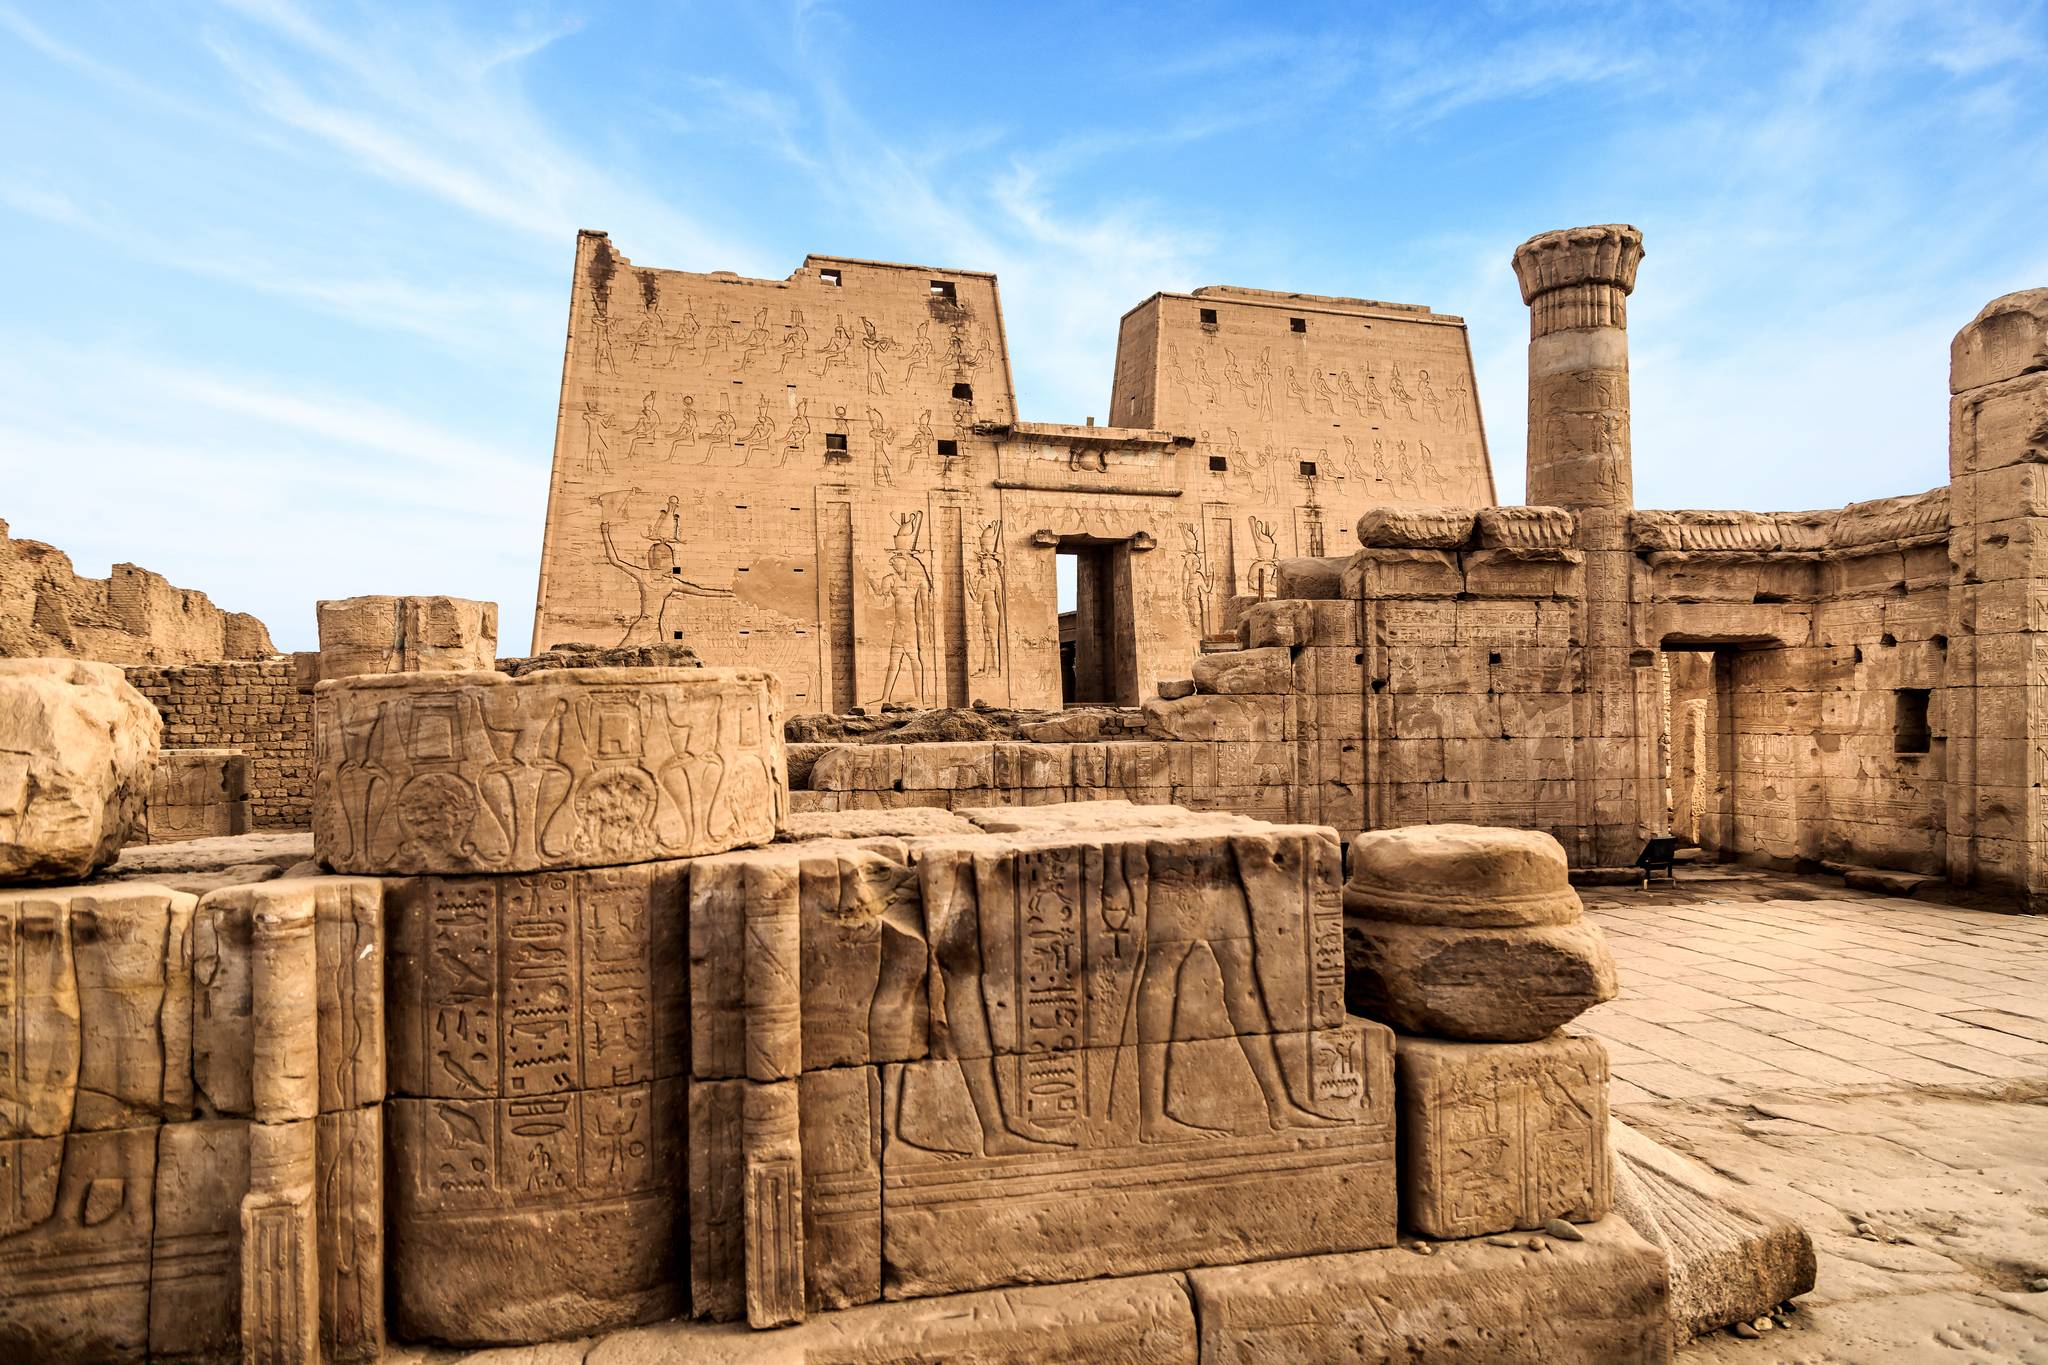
<point>254,706</point>
<point>1799,739</point>
<point>131,617</point>
<point>825,475</point>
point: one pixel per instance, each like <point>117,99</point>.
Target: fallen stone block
<point>78,751</point>
<point>1732,1258</point>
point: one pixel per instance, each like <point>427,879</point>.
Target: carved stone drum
<point>570,768</point>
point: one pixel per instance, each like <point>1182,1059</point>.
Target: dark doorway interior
<point>1104,652</point>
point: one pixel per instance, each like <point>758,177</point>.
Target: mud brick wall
<point>253,706</point>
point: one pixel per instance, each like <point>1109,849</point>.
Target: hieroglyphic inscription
<point>507,987</point>
<point>1498,1136</point>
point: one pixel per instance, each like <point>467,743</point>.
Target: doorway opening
<point>1098,636</point>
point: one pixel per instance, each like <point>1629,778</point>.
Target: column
<point>1576,283</point>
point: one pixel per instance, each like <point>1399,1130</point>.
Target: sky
<point>285,286</point>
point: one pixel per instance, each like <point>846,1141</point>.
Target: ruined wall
<point>1830,638</point>
<point>825,475</point>
<point>253,706</point>
<point>132,616</point>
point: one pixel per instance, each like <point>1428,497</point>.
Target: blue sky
<point>285,286</point>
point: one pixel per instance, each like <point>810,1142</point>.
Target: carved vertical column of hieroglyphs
<point>1996,706</point>
<point>280,1253</point>
<point>772,1207</point>
<point>1576,283</point>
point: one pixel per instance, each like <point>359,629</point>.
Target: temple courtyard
<point>1878,1068</point>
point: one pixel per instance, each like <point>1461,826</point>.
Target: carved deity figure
<point>880,434</point>
<point>796,342</point>
<point>1426,392</point>
<point>799,432</point>
<point>684,432</point>
<point>755,343</point>
<point>596,443</point>
<point>837,350</point>
<point>659,583</point>
<point>601,358</point>
<point>1398,391</point>
<point>650,341</point>
<point>876,345</point>
<point>906,592</point>
<point>1194,579</point>
<point>1326,397</point>
<point>687,331</point>
<point>1262,383</point>
<point>1375,401</point>
<point>920,353</point>
<point>985,585</point>
<point>640,440</point>
<point>1295,391</point>
<point>1264,579</point>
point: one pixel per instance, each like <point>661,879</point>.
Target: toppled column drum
<point>480,772</point>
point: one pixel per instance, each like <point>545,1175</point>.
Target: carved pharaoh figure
<point>659,583</point>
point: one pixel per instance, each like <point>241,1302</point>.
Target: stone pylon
<point>1576,283</point>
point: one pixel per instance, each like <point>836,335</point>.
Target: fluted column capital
<point>1579,277</point>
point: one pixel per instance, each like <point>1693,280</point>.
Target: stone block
<point>195,1303</point>
<point>858,767</point>
<point>78,747</point>
<point>1500,1136</point>
<point>1142,1318</point>
<point>521,1220</point>
<point>1428,669</point>
<point>840,1115</point>
<point>1525,573</point>
<point>360,635</point>
<point>280,1255</point>
<point>1311,579</point>
<point>1526,528</point>
<point>948,767</point>
<point>507,988</point>
<point>2007,338</point>
<point>196,794</point>
<point>1329,671</point>
<point>349,1175</point>
<point>1469,931</point>
<point>96,1008</point>
<point>1279,624</point>
<point>1496,624</point>
<point>1241,671</point>
<point>1220,1173</point>
<point>1378,573</point>
<point>1732,1258</point>
<point>1031,767</point>
<point>1213,717</point>
<point>859,990</point>
<point>1590,1302</point>
<point>1416,528</point>
<point>569,768</point>
<point>66,1202</point>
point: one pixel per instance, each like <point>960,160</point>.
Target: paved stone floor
<point>1877,1068</point>
<point>1736,982</point>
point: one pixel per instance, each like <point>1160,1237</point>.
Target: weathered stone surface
<point>1244,671</point>
<point>1467,931</point>
<point>95,1008</point>
<point>78,747</point>
<point>1416,528</point>
<point>195,1303</point>
<point>515,987</point>
<point>1173,689</point>
<point>840,1112</point>
<point>2007,338</point>
<point>1526,528</point>
<point>1159,1002</point>
<point>980,1165</point>
<point>280,1247</point>
<point>1311,579</point>
<point>1731,1257</point>
<point>77,1214</point>
<point>156,862</point>
<point>349,1182</point>
<point>1578,1303</point>
<point>1505,984</point>
<point>361,635</point>
<point>1141,1320</point>
<point>517,1220</point>
<point>1499,1136</point>
<point>538,1189</point>
<point>478,772</point>
<point>196,794</point>
<point>907,822</point>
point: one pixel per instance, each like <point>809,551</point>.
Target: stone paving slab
<point>1735,982</point>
